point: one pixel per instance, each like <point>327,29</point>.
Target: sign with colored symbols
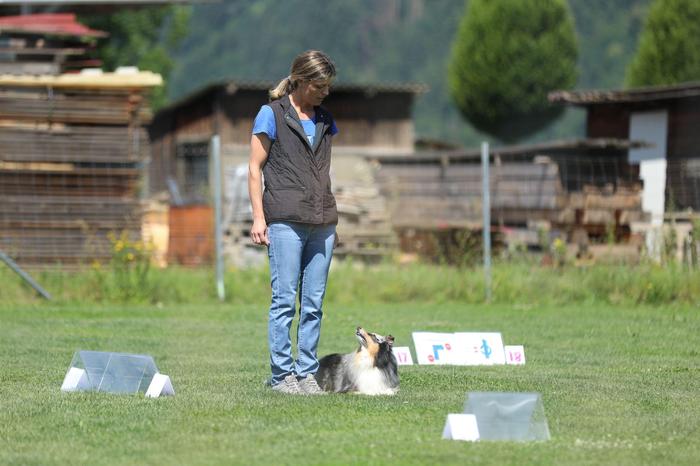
<point>461,348</point>
<point>479,348</point>
<point>403,355</point>
<point>515,354</point>
<point>434,348</point>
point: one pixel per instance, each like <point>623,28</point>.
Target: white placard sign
<point>461,427</point>
<point>403,355</point>
<point>479,348</point>
<point>515,354</point>
<point>160,385</point>
<point>434,348</point>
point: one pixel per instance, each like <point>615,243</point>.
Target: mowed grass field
<point>620,386</point>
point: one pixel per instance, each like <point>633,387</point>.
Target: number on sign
<point>515,354</point>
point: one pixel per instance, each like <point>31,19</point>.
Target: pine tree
<point>507,55</point>
<point>669,47</point>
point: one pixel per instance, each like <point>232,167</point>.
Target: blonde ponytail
<point>283,88</point>
<point>311,65</point>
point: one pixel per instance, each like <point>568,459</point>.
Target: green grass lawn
<point>620,386</point>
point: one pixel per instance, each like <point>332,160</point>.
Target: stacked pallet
<point>433,194</point>
<point>600,211</point>
<point>438,196</point>
<point>364,225</point>
<point>71,152</point>
<point>364,230</point>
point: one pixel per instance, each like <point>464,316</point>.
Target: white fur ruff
<point>369,379</point>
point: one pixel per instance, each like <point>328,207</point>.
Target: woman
<point>296,214</point>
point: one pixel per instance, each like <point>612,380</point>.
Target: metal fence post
<point>486,211</point>
<point>25,276</point>
<point>215,148</point>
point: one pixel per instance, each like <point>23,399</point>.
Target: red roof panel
<point>63,24</point>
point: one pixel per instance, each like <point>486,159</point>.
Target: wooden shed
<point>372,120</point>
<point>667,118</point>
<point>71,152</point>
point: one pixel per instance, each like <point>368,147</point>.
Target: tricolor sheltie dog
<point>371,370</point>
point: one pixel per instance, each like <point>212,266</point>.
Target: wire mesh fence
<point>75,169</point>
<point>70,166</point>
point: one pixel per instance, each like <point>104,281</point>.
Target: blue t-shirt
<point>265,123</point>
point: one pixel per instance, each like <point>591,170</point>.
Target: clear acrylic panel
<point>508,416</point>
<point>116,372</point>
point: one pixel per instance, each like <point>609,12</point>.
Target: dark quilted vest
<point>297,175</point>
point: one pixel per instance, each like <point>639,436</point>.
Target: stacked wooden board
<point>71,153</point>
<point>435,196</point>
<point>364,225</point>
<point>433,193</point>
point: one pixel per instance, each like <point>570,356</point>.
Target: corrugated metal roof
<point>414,88</point>
<point>232,86</point>
<point>642,94</point>
<point>60,24</point>
<point>522,149</point>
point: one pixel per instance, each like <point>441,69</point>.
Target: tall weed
<point>350,282</point>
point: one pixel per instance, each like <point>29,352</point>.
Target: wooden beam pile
<point>364,225</point>
<point>364,229</point>
<point>440,195</point>
<point>70,165</point>
<point>449,196</point>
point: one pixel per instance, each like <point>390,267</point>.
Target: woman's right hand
<point>258,233</point>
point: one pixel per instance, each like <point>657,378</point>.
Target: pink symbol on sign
<point>447,346</point>
<point>402,357</point>
<point>431,358</point>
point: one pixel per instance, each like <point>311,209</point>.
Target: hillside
<point>388,40</point>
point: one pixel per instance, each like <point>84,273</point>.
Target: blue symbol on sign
<point>437,348</point>
<point>486,349</point>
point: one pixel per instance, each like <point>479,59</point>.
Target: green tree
<point>507,55</point>
<point>669,46</point>
<point>145,37</point>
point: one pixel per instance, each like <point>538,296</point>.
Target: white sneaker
<point>289,386</point>
<point>309,386</point>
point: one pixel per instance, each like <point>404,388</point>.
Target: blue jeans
<point>300,256</point>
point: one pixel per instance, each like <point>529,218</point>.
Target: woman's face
<point>313,92</point>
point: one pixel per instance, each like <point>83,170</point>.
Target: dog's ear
<point>390,340</point>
